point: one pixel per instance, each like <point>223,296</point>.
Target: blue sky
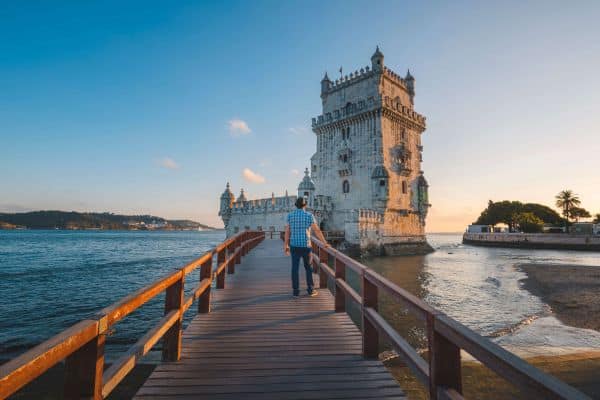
<point>128,108</point>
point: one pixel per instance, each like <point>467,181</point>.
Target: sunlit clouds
<point>238,127</point>
<point>168,163</point>
<point>251,176</point>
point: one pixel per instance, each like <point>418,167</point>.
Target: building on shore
<point>365,181</point>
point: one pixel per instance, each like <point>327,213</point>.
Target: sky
<point>150,107</point>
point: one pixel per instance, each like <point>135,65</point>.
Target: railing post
<point>238,257</point>
<point>220,275</point>
<point>323,257</point>
<point>340,296</point>
<point>204,300</point>
<point>231,261</point>
<point>370,335</point>
<point>444,362</point>
<point>84,368</point>
<point>174,298</point>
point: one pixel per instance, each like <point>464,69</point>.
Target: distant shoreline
<point>114,229</point>
<point>546,241</point>
<point>73,220</point>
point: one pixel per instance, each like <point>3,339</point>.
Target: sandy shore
<point>572,291</point>
<point>578,370</point>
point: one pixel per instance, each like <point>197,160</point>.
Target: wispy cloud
<point>295,172</point>
<point>298,130</point>
<point>238,127</point>
<point>252,176</point>
<point>168,163</point>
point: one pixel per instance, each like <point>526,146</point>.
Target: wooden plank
<point>260,342</point>
<point>127,305</point>
<point>19,371</point>
<point>121,367</point>
<point>348,291</point>
<point>410,356</point>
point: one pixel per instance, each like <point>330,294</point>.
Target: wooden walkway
<point>260,343</point>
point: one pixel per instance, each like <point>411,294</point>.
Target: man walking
<point>297,242</point>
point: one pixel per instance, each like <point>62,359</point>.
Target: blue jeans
<point>304,253</point>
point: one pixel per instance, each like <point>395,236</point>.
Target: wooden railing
<point>82,345</point>
<point>441,373</point>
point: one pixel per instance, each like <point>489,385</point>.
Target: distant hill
<point>77,220</point>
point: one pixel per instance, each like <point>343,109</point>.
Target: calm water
<point>52,279</point>
<point>481,287</point>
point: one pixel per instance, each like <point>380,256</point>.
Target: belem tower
<point>365,185</point>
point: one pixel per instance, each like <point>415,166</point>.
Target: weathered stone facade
<point>365,181</point>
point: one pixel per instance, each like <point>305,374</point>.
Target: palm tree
<point>566,200</point>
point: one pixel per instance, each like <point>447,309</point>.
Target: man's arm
<point>315,228</point>
<point>286,239</point>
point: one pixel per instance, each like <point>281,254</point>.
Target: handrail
<point>441,373</point>
<point>82,345</point>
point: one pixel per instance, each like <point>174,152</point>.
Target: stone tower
<point>367,167</point>
<point>227,200</point>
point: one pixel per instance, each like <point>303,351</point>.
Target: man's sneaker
<point>313,293</point>
<point>296,295</point>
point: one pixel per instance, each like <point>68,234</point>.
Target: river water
<point>52,279</point>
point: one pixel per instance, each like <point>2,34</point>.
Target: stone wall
<point>534,240</point>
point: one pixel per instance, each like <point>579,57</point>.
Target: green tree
<point>506,212</point>
<point>579,212</point>
<point>545,213</point>
<point>528,222</point>
<point>565,200</point>
<point>501,211</point>
<point>597,218</point>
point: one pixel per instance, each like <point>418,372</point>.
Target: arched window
<point>346,187</point>
<point>404,188</point>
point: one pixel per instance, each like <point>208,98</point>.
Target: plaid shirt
<point>300,222</point>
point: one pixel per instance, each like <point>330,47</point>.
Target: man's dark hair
<point>301,202</point>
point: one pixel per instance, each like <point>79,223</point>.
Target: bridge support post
<point>84,368</point>
<point>231,262</point>
<point>238,257</point>
<point>323,257</point>
<point>340,296</point>
<point>204,300</point>
<point>444,362</point>
<point>174,298</point>
<point>220,275</point>
<point>370,335</point>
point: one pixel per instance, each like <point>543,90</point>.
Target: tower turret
<point>410,85</point>
<point>306,188</point>
<point>242,197</point>
<point>377,60</point>
<point>227,199</point>
<point>422,197</point>
<point>325,84</point>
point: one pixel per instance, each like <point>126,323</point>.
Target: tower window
<point>404,189</point>
<point>382,182</point>
<point>346,187</point>
<point>305,194</point>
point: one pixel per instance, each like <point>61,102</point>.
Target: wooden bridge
<point>251,339</point>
